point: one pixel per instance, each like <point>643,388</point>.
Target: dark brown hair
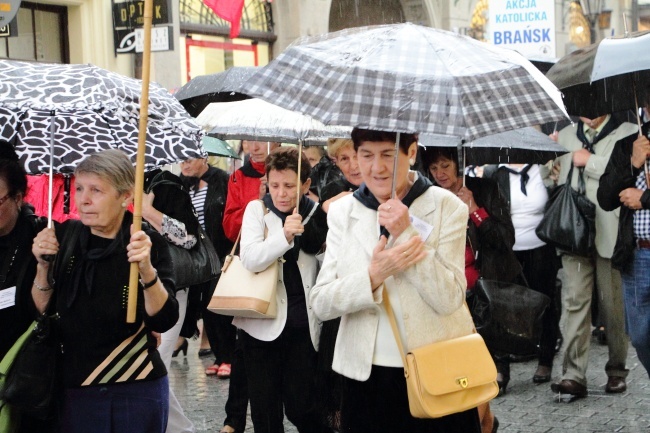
<point>11,171</point>
<point>360,135</point>
<point>286,158</point>
<point>432,154</point>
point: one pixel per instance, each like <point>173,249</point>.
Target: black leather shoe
<point>205,352</point>
<point>615,385</point>
<point>571,387</point>
<point>542,375</point>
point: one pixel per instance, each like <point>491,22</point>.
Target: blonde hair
<point>111,165</point>
<point>335,145</point>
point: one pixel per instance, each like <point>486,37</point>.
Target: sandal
<point>224,371</point>
<point>212,370</point>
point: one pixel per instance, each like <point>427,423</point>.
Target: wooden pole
<point>132,302</point>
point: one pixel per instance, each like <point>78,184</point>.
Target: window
<point>42,35</point>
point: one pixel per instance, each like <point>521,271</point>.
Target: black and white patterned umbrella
<point>92,110</point>
<point>408,78</point>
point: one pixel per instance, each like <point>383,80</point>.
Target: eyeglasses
<point>4,199</point>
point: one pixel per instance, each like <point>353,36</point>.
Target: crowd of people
<point>371,219</point>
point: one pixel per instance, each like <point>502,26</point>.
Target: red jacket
<point>242,189</point>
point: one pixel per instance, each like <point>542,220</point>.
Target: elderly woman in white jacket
<point>418,262</point>
<point>280,353</point>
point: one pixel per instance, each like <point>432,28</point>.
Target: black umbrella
<point>605,77</point>
<point>197,93</point>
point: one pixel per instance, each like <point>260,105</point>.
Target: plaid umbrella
<point>525,146</point>
<point>408,78</point>
<point>605,77</point>
<point>197,93</point>
<point>83,109</point>
<point>254,119</point>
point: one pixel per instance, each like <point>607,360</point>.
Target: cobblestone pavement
<point>525,408</point>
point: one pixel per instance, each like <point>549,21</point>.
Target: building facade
<point>84,31</point>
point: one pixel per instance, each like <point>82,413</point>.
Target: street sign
<point>8,10</point>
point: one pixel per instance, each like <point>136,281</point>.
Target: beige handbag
<point>242,293</point>
<point>448,376</point>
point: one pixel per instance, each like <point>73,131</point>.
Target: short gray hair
<point>111,165</point>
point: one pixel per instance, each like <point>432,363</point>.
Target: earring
<point>123,204</point>
<point>412,161</point>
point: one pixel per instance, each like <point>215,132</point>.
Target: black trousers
<point>380,405</point>
<point>237,403</point>
<point>281,376</point>
<point>540,269</point>
<point>221,336</point>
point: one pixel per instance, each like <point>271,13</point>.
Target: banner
<point>527,26</point>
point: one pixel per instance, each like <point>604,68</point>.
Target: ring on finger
<point>389,207</point>
<point>40,245</point>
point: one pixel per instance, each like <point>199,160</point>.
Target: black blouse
<point>17,269</point>
<point>99,347</point>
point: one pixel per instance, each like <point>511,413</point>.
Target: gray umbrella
<point>605,77</point>
<point>200,91</point>
<point>254,119</point>
<point>525,145</point>
<point>408,78</point>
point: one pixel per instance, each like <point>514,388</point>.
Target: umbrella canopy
<point>408,78</point>
<point>86,109</point>
<point>525,145</point>
<point>603,78</point>
<point>254,119</point>
<point>217,147</point>
<point>200,91</point>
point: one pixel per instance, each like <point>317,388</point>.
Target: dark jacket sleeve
<point>167,317</point>
<point>315,233</point>
<point>619,174</point>
<point>176,203</point>
<point>496,231</point>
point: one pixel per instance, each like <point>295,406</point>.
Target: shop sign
<point>130,14</point>
<point>132,41</point>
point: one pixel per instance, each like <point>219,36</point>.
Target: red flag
<point>229,10</point>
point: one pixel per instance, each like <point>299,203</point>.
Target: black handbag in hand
<point>507,315</point>
<point>32,383</point>
<point>200,264</point>
<point>569,219</point>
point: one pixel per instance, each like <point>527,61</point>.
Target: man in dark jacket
<point>624,184</point>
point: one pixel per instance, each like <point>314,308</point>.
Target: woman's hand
<point>468,198</point>
<point>139,251</point>
<point>263,181</point>
<point>45,243</point>
<point>387,262</point>
<point>394,215</point>
<point>293,226</point>
<point>147,204</point>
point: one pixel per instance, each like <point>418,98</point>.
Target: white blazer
<point>256,254</point>
<point>431,293</point>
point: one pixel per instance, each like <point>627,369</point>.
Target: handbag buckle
<point>463,382</point>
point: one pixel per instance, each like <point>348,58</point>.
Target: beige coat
<point>606,222</point>
<point>431,293</point>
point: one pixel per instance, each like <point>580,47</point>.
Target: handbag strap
<point>393,324</point>
<point>582,187</point>
<point>228,258</point>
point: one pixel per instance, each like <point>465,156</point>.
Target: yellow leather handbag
<point>448,376</point>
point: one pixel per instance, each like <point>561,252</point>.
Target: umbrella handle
<point>393,188</point>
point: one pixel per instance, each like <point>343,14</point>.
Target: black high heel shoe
<point>503,377</point>
<point>181,348</point>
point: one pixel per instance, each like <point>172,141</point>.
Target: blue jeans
<point>636,289</point>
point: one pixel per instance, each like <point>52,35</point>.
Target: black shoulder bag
<point>197,265</point>
<point>569,221</point>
